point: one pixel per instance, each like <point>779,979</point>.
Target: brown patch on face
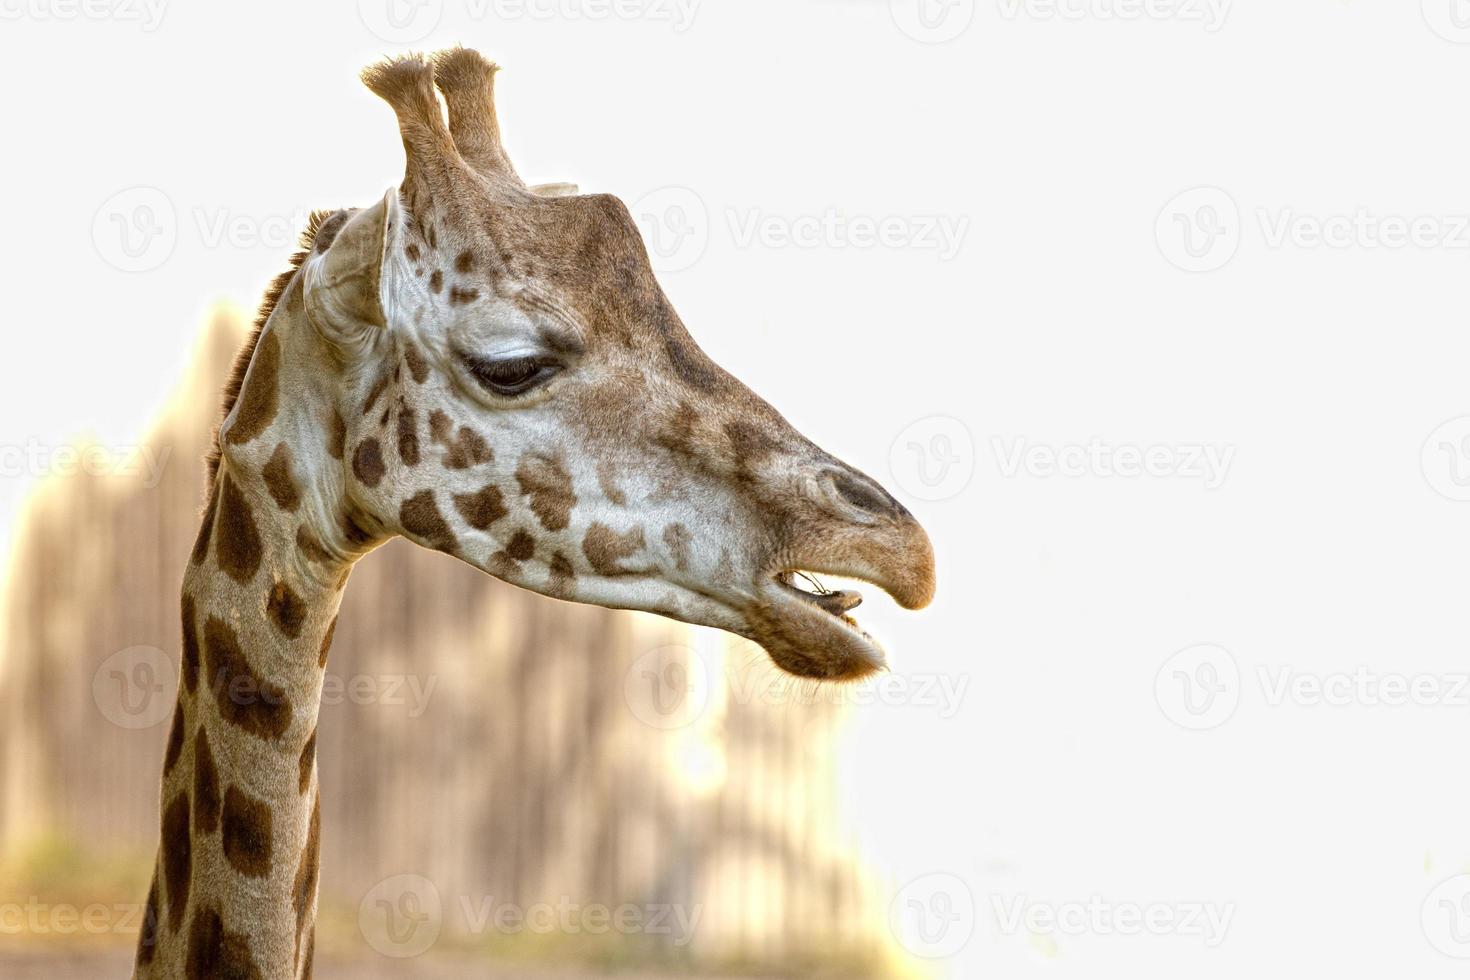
<point>286,610</point>
<point>380,384</point>
<point>607,483</point>
<point>148,933</point>
<point>420,517</point>
<point>563,575</point>
<point>550,488</point>
<point>418,368</point>
<point>245,825</point>
<point>678,539</point>
<point>464,262</point>
<point>459,295</point>
<point>750,443</point>
<point>408,437</point>
<point>256,408</point>
<point>258,706</point>
<point>412,251</point>
<point>436,281</point>
<point>466,448</point>
<point>277,475</point>
<point>521,546</point>
<point>308,756</point>
<point>178,859</point>
<point>215,953</point>
<point>482,508</point>
<point>175,739</point>
<point>337,437</point>
<point>367,462</point>
<point>239,549</point>
<point>303,888</point>
<point>321,659</point>
<point>189,664</point>
<point>206,785</point>
<point>605,547</point>
<point>206,527</point>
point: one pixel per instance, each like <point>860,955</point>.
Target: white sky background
<point>1055,143</point>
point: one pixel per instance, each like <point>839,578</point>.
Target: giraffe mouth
<point>807,629</point>
<point>834,602</point>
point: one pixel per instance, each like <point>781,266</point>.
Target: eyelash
<point>528,372</point>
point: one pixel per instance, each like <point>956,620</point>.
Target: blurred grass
<point>54,876</point>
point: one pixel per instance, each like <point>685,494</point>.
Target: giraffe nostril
<point>865,495</point>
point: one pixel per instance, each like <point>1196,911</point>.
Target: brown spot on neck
<point>408,437</point>
<point>367,462</point>
<point>206,527</point>
<point>337,437</point>
<point>326,643</point>
<point>418,368</point>
<point>303,888</point>
<point>239,549</point>
<point>245,700</point>
<point>206,785</point>
<point>175,739</point>
<point>189,665</point>
<point>246,834</point>
<point>215,953</point>
<point>482,508</point>
<point>286,610</point>
<point>178,863</point>
<point>278,480</point>
<point>258,401</point>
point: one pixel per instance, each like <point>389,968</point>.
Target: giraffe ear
<point>344,291</point>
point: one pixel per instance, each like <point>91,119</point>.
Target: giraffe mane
<point>273,294</point>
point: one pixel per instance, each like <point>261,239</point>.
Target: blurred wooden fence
<point>528,749</point>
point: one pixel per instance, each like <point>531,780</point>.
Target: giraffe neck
<point>235,887</point>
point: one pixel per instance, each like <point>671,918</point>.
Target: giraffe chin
<point>810,634</point>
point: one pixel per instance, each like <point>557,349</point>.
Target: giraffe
<point>490,371</point>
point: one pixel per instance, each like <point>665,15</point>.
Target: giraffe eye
<point>512,375</point>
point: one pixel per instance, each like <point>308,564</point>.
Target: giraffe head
<point>518,392</point>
